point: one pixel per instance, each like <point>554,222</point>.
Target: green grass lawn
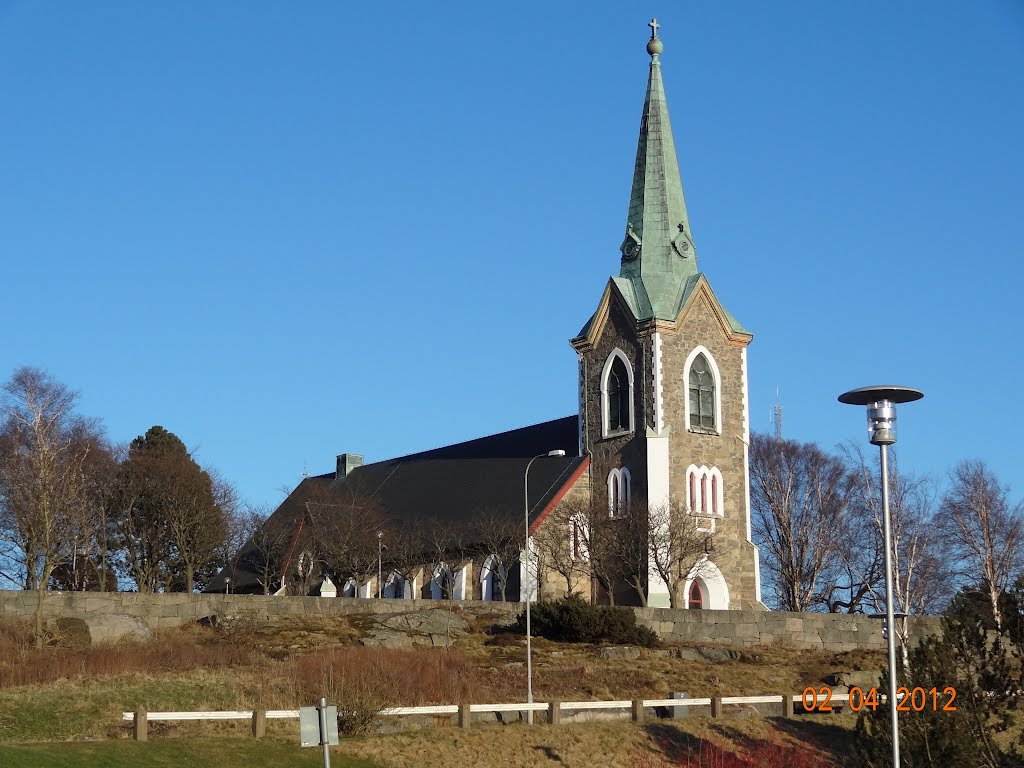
<point>201,753</point>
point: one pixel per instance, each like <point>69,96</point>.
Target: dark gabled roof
<point>522,443</point>
<point>449,483</point>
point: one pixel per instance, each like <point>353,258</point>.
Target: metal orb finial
<point>654,45</point>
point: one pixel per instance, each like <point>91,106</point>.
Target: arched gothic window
<point>618,492</point>
<point>702,395</point>
<point>616,395</point>
<point>704,496</point>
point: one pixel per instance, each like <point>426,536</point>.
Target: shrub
<point>571,620</point>
<point>363,681</point>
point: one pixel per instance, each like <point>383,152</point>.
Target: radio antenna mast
<point>777,415</point>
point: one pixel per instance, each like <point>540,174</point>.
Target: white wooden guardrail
<point>554,709</point>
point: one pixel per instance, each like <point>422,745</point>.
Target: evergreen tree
<point>983,667</point>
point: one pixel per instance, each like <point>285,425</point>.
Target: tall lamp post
<point>380,552</point>
<point>527,588</point>
<point>881,404</point>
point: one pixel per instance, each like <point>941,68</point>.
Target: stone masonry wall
<point>837,632</point>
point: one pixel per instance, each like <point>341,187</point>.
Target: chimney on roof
<point>346,463</point>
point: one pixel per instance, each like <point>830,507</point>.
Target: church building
<point>663,424</point>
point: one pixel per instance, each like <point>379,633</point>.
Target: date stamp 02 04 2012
<point>915,699</point>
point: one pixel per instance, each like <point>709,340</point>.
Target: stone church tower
<point>663,379</point>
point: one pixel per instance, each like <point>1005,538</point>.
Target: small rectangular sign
<point>309,726</point>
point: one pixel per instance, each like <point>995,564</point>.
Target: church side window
<point>618,492</point>
<point>617,387</point>
<point>704,496</point>
<point>702,395</point>
<point>577,539</point>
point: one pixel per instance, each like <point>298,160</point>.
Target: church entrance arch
<point>705,588</point>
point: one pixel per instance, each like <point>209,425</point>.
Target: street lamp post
<point>527,588</point>
<point>380,551</point>
<point>881,404</point>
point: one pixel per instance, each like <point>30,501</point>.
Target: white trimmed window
<point>616,395</point>
<point>704,497</point>
<point>703,393</point>
<point>619,491</point>
<point>578,539</point>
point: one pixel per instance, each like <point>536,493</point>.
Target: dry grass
<point>295,661</point>
<point>23,664</point>
<point>610,745</point>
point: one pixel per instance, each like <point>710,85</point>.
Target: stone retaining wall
<point>837,632</point>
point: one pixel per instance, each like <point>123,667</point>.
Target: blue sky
<point>285,231</point>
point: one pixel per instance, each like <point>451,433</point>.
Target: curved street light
<point>528,587</point>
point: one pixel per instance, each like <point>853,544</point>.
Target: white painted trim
<point>658,496</point>
<point>396,584</point>
<point>757,573</point>
<point>604,393</point>
<point>350,588</point>
<point>713,587</point>
<point>328,588</point>
<point>700,349</point>
<point>746,446</point>
<point>460,583</point>
<point>659,405</point>
<point>487,577</point>
<point>582,416</point>
<point>436,587</point>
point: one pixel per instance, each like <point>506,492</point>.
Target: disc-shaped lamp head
<point>881,403</point>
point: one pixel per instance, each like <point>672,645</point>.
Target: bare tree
<point>257,543</point>
<point>622,540</point>
<point>982,529</point>
<point>798,496</point>
<point>676,548</point>
<point>343,528</point>
<point>447,549</point>
<point>408,549</point>
<point>920,576</point>
<point>561,542</point>
<point>44,449</point>
<point>501,538</point>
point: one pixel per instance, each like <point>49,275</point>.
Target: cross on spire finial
<point>654,45</point>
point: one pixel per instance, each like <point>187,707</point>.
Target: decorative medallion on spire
<point>658,252</point>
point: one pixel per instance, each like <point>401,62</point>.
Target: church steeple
<point>658,254</point>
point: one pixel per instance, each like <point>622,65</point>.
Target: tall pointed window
<point>702,395</point>
<point>619,492</point>
<point>616,395</point>
<point>696,601</point>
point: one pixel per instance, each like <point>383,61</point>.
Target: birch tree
<point>983,530</point>
<point>42,490</point>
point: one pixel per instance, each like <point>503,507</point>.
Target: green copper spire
<point>658,255</point>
